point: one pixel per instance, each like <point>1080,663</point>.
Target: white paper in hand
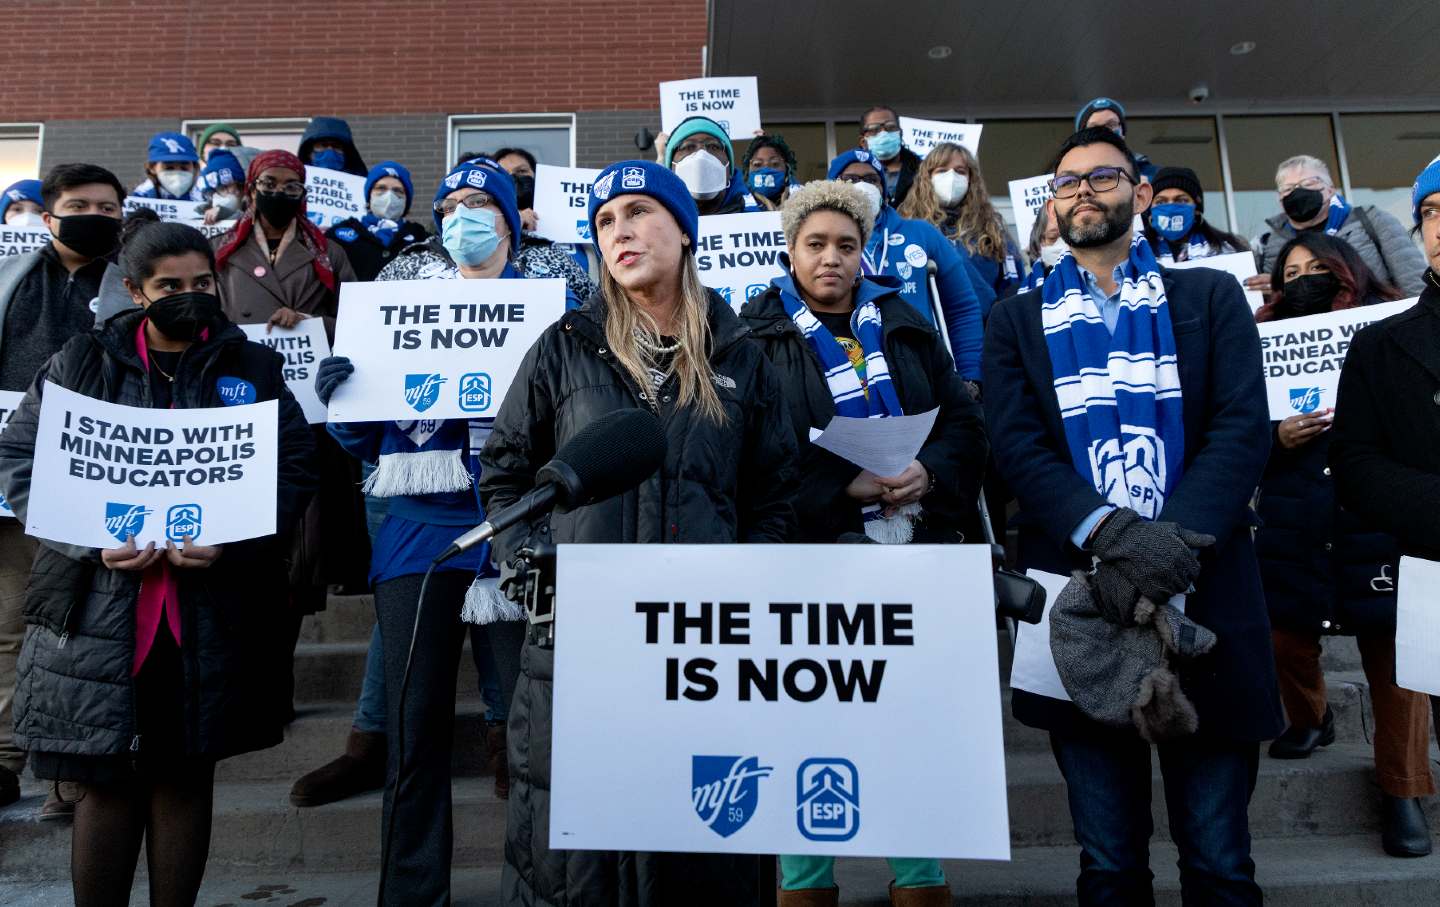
<point>1417,626</point>
<point>1033,668</point>
<point>883,446</point>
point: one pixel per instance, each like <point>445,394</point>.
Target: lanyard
<point>867,258</point>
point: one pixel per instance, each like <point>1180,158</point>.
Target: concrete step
<point>346,618</point>
<point>1339,653</point>
<point>333,672</point>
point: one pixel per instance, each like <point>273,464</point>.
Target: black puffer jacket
<point>367,254</point>
<point>924,377</point>
<point>718,484</point>
<point>74,695</point>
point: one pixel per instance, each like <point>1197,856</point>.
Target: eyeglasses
<point>690,146</point>
<point>870,178</point>
<point>877,128</point>
<point>1101,179</point>
<point>292,189</point>
<point>1309,182</point>
<point>446,206</point>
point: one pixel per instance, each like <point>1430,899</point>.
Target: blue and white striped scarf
<point>1119,395</point>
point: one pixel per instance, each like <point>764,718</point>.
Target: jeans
<point>1207,791</point>
<point>370,708</point>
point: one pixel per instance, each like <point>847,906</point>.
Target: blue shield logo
<point>755,289</point>
<point>827,799</point>
<point>421,391</point>
<point>582,229</point>
<point>1304,399</point>
<point>234,391</point>
<point>724,293</point>
<point>724,790</point>
<point>346,234</point>
<point>182,520</point>
<point>125,520</point>
<point>475,392</point>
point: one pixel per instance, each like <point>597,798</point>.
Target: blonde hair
<point>979,226</point>
<point>825,195</point>
<point>691,364</point>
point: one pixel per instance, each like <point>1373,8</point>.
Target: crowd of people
<point>1113,406</point>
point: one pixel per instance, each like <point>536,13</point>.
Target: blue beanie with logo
<point>646,178</point>
<point>1100,104</point>
<point>859,156</point>
<point>489,177</point>
<point>1426,185</point>
<point>695,126</point>
<point>23,191</point>
<point>390,168</point>
<point>223,169</point>
<point>171,146</point>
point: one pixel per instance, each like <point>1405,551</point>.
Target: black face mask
<point>184,315</point>
<point>1310,294</point>
<point>1303,204</point>
<point>524,191</point>
<point>91,235</point>
<point>277,208</point>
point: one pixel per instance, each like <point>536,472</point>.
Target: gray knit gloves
<point>1141,559</point>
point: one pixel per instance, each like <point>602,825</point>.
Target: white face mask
<point>950,186</point>
<point>705,175</point>
<point>176,182</point>
<point>25,219</point>
<point>1051,254</point>
<point>872,195</point>
<point>387,205</point>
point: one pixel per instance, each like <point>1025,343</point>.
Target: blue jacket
<point>901,249</point>
<point>998,279</point>
<point>1227,442</point>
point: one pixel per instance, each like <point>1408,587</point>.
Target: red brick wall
<point>110,59</point>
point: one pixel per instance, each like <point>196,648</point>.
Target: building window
<point>1256,145</point>
<point>19,152</point>
<point>1384,153</point>
<point>548,136</point>
<point>1016,150</point>
<point>264,134</point>
<point>807,140</point>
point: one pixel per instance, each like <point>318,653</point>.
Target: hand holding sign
<point>129,557</point>
<point>190,555</point>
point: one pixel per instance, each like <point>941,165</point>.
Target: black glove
<point>1155,557</point>
<point>1114,595</point>
<point>332,371</point>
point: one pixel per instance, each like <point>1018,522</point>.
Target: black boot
<point>1300,742</point>
<point>1404,831</point>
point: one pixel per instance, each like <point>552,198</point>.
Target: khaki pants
<point>17,554</point>
<point>1402,717</point>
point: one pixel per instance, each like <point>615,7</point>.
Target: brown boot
<point>59,805</point>
<point>809,897</point>
<point>361,769</point>
<point>497,760</point>
<point>928,896</point>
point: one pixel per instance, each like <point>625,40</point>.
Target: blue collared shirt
<point>1109,306</point>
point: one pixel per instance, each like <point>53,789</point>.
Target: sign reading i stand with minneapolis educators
<point>19,240</point>
<point>104,472</point>
<point>1303,356</point>
<point>923,135</point>
<point>442,349</point>
<point>179,211</point>
<point>562,203</point>
<point>303,346</point>
<point>784,700</point>
<point>1240,265</point>
<point>733,102</point>
<point>1027,197</point>
<point>9,401</point>
<point>333,196</point>
<point>738,254</point>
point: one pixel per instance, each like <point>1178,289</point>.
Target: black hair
<point>506,152</point>
<point>1096,135</point>
<point>148,242</point>
<point>885,107</point>
<point>1217,238</point>
<point>136,219</point>
<point>69,176</point>
<point>770,141</point>
<point>469,156</point>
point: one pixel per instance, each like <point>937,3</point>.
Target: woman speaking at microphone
<point>653,338</point>
<point>143,665</point>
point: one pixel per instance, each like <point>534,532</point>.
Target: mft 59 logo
<point>421,391</point>
<point>724,790</point>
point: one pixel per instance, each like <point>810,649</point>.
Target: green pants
<point>819,872</point>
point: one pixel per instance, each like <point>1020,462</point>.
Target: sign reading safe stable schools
<point>764,686</point>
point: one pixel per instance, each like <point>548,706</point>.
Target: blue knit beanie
<point>646,178</point>
<point>23,191</point>
<point>860,156</point>
<point>223,169</point>
<point>171,146</point>
<point>693,125</point>
<point>489,177</point>
<point>390,168</point>
<point>1426,184</point>
<point>1099,104</point>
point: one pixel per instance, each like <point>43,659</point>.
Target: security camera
<point>1200,93</point>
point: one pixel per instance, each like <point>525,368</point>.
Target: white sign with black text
<point>9,402</point>
<point>19,240</point>
<point>733,102</point>
<point>1027,197</point>
<point>170,210</point>
<point>104,472</point>
<point>562,203</point>
<point>303,346</point>
<point>738,254</point>
<point>333,196</point>
<point>923,135</point>
<point>757,681</point>
<point>1240,265</point>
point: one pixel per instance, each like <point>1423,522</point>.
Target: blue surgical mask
<point>329,159</point>
<point>885,145</point>
<point>469,236</point>
<point>1172,221</point>
<point>767,181</point>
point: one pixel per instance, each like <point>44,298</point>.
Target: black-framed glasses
<point>876,128</point>
<point>711,146</point>
<point>292,189</point>
<point>446,206</point>
<point>871,178</point>
<point>1309,182</point>
<point>1101,179</point>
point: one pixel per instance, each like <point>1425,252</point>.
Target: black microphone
<point>612,454</point>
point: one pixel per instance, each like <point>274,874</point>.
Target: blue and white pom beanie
<point>489,177</point>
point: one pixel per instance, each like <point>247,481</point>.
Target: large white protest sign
<point>923,135</point>
<point>303,346</point>
<point>737,254</point>
<point>745,675</point>
<point>1417,626</point>
<point>333,196</point>
<point>19,240</point>
<point>175,211</point>
<point>562,200</point>
<point>1027,197</point>
<point>9,400</point>
<point>1241,265</point>
<point>104,472</point>
<point>733,102</point>
<point>444,349</point>
<point>1303,356</point>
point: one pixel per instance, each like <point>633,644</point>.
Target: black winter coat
<point>1386,451</point>
<point>368,256</point>
<point>74,693</point>
<point>924,377</point>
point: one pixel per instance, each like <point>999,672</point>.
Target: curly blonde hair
<point>825,195</point>
<point>978,226</point>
